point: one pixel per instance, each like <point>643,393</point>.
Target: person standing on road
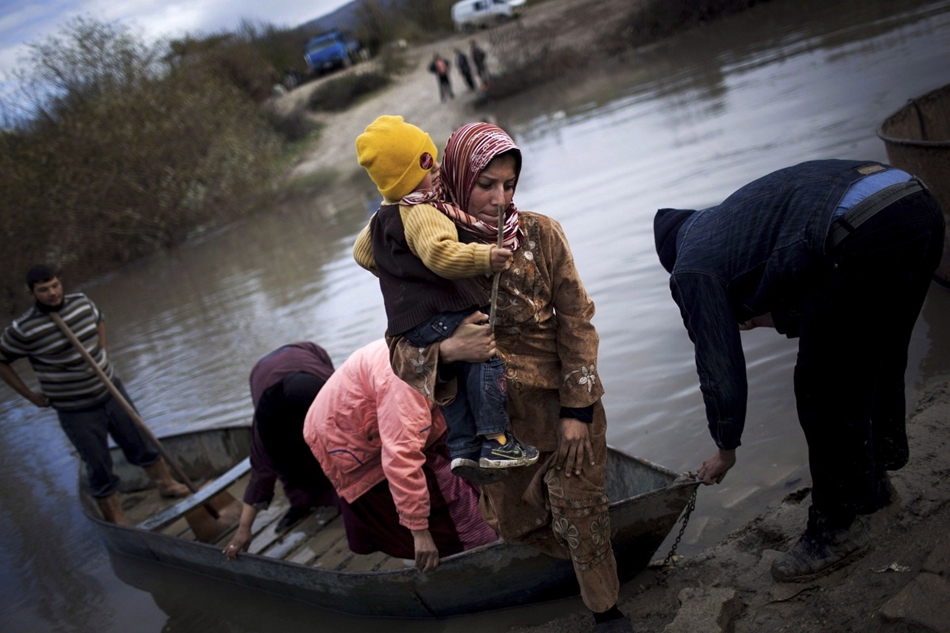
<point>440,66</point>
<point>838,253</point>
<point>461,61</point>
<point>87,411</point>
<point>481,64</point>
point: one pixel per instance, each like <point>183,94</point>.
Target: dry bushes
<point>122,159</point>
<point>653,20</point>
<point>528,57</point>
<point>339,94</point>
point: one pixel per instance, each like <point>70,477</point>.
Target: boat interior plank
<point>288,542</point>
<point>367,562</point>
<point>390,563</point>
<point>336,557</point>
<point>321,543</point>
<point>204,493</point>
<point>265,525</point>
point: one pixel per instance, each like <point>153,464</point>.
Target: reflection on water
<point>684,124</point>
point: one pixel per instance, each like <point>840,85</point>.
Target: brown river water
<point>689,121</point>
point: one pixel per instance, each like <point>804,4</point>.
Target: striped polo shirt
<point>64,375</point>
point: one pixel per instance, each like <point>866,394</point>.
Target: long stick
<point>58,320</point>
<point>494,283</point>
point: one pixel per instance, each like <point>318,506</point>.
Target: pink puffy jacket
<point>367,425</point>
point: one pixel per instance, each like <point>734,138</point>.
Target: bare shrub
<point>382,22</point>
<point>230,58</point>
<point>655,19</point>
<point>339,94</point>
<point>292,126</point>
<point>123,160</point>
<point>526,58</point>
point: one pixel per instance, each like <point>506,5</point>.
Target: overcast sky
<point>25,21</point>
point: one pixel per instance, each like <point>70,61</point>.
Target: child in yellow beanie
<point>427,277</point>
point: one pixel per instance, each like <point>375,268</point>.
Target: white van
<point>471,14</point>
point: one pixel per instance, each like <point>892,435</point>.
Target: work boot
<point>167,486</point>
<point>820,551</point>
<point>111,509</point>
<point>620,625</point>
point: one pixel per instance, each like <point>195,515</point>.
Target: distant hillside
<point>342,18</point>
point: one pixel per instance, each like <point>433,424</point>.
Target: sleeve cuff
<point>584,414</point>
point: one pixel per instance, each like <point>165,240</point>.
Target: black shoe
<point>469,470</point>
<point>618,625</point>
<point>819,553</point>
<point>514,453</point>
<point>295,515</point>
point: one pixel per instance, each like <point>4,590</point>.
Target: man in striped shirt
<point>86,409</point>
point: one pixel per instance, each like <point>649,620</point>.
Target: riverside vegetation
<point>113,148</point>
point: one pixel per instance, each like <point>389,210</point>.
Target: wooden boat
<point>917,139</point>
<point>312,562</point>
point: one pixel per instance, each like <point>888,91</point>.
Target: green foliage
<point>339,94</point>
<point>123,159</point>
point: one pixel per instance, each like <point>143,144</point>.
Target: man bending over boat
<point>838,254</point>
<point>283,386</point>
<point>383,447</point>
<point>87,411</point>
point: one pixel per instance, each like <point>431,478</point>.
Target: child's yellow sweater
<point>433,238</point>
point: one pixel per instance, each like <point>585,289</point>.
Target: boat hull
<point>492,576</point>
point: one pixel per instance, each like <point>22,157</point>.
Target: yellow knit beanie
<point>397,155</point>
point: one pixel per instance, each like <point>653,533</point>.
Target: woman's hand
<point>573,445</point>
<point>242,537</point>
<point>240,543</point>
<point>427,554</point>
<point>471,342</point>
<point>714,469</point>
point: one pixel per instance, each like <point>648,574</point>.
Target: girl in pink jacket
<point>383,448</point>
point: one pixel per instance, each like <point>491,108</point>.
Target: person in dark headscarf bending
<point>283,386</point>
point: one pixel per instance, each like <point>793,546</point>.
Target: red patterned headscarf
<point>467,153</point>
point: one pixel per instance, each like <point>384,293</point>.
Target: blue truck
<point>330,51</point>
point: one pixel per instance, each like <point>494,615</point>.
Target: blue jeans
<point>480,407</point>
<point>89,431</point>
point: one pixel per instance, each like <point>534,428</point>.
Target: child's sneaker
<point>514,453</point>
<point>469,470</point>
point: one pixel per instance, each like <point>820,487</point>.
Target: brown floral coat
<point>545,337</point>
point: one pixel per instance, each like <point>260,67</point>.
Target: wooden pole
<point>497,279</point>
<point>58,320</point>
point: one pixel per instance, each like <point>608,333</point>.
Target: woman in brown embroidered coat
<point>544,335</point>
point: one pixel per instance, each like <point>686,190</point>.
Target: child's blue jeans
<point>480,407</point>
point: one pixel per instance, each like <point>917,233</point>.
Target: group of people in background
<point>838,253</point>
<point>440,66</point>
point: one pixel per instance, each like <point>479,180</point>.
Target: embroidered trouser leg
<point>581,524</point>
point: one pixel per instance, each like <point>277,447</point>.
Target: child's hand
<point>499,259</point>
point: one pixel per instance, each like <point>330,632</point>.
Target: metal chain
<point>690,506</point>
